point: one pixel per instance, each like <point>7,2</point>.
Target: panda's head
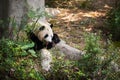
<point>44,31</point>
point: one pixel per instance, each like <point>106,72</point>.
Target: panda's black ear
<point>51,25</point>
<point>42,28</point>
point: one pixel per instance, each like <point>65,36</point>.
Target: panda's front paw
<point>55,38</point>
<point>50,45</point>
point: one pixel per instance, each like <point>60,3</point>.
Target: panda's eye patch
<point>46,36</point>
<point>42,28</point>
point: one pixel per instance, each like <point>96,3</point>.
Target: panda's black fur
<point>55,40</point>
<point>40,44</point>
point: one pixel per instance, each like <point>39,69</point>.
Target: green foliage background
<point>17,61</point>
<point>113,18</point>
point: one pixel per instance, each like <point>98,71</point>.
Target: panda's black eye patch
<point>42,28</point>
<point>46,36</point>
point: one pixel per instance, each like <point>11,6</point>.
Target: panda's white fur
<point>46,31</point>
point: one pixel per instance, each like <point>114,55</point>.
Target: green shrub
<point>96,63</point>
<point>17,61</point>
<point>114,23</point>
<point>63,69</point>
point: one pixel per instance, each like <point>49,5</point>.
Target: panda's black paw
<point>50,45</point>
<point>56,39</point>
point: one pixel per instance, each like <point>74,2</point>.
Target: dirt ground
<point>71,24</point>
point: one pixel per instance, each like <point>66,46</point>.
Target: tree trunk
<point>3,17</point>
<point>18,10</point>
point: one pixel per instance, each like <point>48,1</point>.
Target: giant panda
<point>43,36</point>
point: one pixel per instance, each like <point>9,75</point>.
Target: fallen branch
<point>70,52</point>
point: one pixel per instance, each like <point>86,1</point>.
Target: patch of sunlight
<point>68,15</point>
<point>94,14</point>
<point>71,17</point>
<point>107,6</point>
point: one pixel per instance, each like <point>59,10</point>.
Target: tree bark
<point>18,10</point>
<point>3,17</point>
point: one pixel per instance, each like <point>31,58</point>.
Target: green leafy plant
<point>63,69</point>
<point>113,20</point>
<point>17,61</point>
<point>96,63</point>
